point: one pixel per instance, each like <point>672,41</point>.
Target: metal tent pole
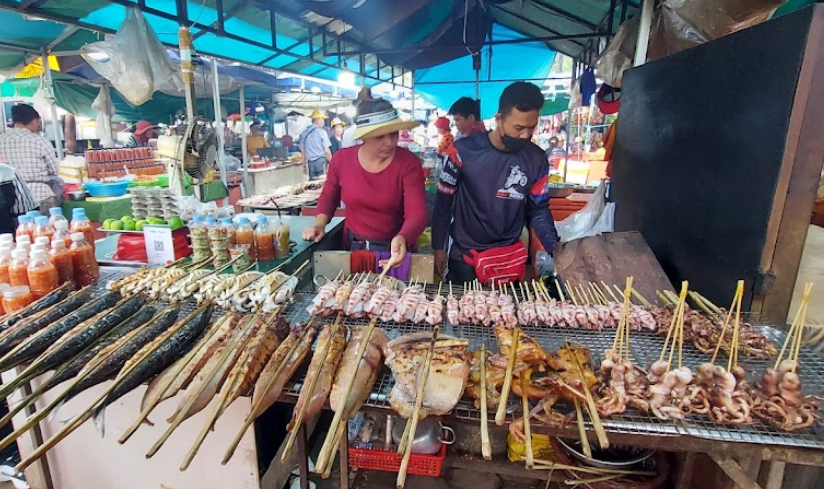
<point>2,115</point>
<point>569,121</point>
<point>58,140</point>
<point>244,157</point>
<point>219,128</point>
<point>643,33</point>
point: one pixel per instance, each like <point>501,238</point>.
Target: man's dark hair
<point>466,107</point>
<point>520,95</point>
<point>23,114</point>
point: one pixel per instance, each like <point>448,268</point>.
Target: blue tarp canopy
<point>445,83</point>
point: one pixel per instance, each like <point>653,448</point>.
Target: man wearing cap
<point>315,147</point>
<point>337,134</point>
<point>32,155</point>
<point>492,186</point>
<point>143,132</point>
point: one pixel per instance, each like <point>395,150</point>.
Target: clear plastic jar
<point>19,268</point>
<point>42,274</point>
<point>16,298</point>
<point>61,232</point>
<point>231,232</point>
<point>246,236</point>
<point>282,238</point>
<point>7,239</point>
<point>81,224</point>
<point>240,253</point>
<point>55,216</point>
<point>3,288</point>
<point>42,228</point>
<point>84,263</point>
<point>62,259</point>
<point>5,260</point>
<point>25,227</point>
<point>265,240</point>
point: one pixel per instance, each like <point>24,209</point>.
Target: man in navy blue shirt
<point>492,185</point>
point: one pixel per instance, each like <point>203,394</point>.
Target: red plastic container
<point>427,465</point>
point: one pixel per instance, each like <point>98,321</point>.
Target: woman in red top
<point>381,184</point>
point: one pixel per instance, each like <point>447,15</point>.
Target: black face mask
<point>513,144</point>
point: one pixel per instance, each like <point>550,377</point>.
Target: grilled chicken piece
<point>364,369</point>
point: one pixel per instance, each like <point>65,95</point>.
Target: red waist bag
<point>500,265</point>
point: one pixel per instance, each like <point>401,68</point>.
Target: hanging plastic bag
<point>134,61</point>
<point>105,111</point>
<point>595,218</point>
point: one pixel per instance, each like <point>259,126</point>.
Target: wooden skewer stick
<point>570,294</point>
<point>326,452</point>
<point>671,329</point>
<point>597,293</point>
<point>311,388</point>
<point>641,298</point>
<point>486,445</point>
<point>678,321</point>
<point>663,298</point>
<point>514,293</point>
<point>609,290</point>
<point>582,292</point>
<point>800,333</point>
<point>733,358</point>
<point>582,432</point>
<point>339,432</point>
<point>500,416</point>
<point>620,292</point>
<point>530,464</point>
<point>735,300</point>
<point>416,412</point>
<point>789,339</point>
<point>560,290</point>
<point>603,441</point>
<point>703,306</point>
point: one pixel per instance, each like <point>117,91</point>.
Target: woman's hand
<point>314,233</point>
<point>398,250</point>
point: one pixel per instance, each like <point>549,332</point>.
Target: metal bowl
<point>583,189</point>
<point>615,457</point>
<point>560,190</point>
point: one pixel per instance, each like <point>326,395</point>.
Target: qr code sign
<point>159,246</point>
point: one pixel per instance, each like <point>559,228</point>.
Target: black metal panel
<point>699,148</point>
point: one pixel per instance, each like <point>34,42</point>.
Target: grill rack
<point>645,348</point>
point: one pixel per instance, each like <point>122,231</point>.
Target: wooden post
<point>70,133</point>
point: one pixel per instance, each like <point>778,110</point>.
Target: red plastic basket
<point>428,465</point>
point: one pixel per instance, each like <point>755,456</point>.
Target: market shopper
<point>255,140</point>
<point>446,137</point>
<point>315,147</point>
<point>492,185</point>
<point>32,155</point>
<point>381,184</point>
<point>467,116</point>
<point>337,134</point>
<point>143,132</point>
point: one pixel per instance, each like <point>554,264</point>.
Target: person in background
<point>555,153</point>
<point>337,134</point>
<point>315,147</point>
<point>493,185</point>
<point>445,144</point>
<point>349,134</point>
<point>32,155</point>
<point>381,184</point>
<point>467,116</point>
<point>15,198</point>
<point>143,132</point>
<point>255,140</point>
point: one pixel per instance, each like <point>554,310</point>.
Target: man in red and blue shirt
<point>493,184</point>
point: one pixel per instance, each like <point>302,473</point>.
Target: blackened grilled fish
<point>38,343</point>
<point>45,302</point>
<point>73,366</point>
<point>14,335</point>
<point>155,361</point>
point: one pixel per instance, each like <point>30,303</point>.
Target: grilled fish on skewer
<point>365,371</point>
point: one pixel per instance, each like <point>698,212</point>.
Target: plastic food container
<point>107,189</point>
<point>16,298</point>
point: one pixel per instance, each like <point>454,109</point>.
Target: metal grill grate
<point>645,348</point>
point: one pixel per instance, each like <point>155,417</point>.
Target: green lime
<point>127,218</point>
<point>139,225</point>
<point>129,225</point>
<point>117,226</point>
<point>107,224</point>
<point>175,223</point>
<point>155,220</point>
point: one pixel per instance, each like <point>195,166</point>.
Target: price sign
<point>160,248</point>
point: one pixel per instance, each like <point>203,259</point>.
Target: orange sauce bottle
<point>81,224</point>
<point>16,298</point>
<point>62,259</point>
<point>19,268</point>
<point>265,240</point>
<point>42,228</point>
<point>86,270</point>
<point>5,260</point>
<point>245,235</point>
<point>42,274</point>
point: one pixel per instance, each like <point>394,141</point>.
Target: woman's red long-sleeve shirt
<point>379,206</point>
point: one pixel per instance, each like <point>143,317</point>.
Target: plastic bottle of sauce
<point>231,232</point>
<point>43,240</point>
<point>24,227</point>
<point>265,240</point>
<point>81,224</point>
<point>62,259</point>
<point>3,288</point>
<point>16,298</point>
<point>245,235</point>
<point>7,239</point>
<point>42,228</point>
<point>86,270</point>
<point>5,260</point>
<point>43,277</point>
<point>282,238</point>
<point>61,232</point>
<point>19,268</point>
<point>56,215</point>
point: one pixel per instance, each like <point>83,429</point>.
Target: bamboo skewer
<point>570,293</point>
<point>253,413</point>
<point>735,301</point>
<point>674,322</point>
<point>582,432</point>
<point>500,416</point>
<point>796,330</point>
<point>407,449</point>
<point>560,290</point>
<point>603,441</point>
<point>530,464</point>
<point>486,445</point>
<point>609,290</point>
<point>326,452</point>
<point>663,298</point>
